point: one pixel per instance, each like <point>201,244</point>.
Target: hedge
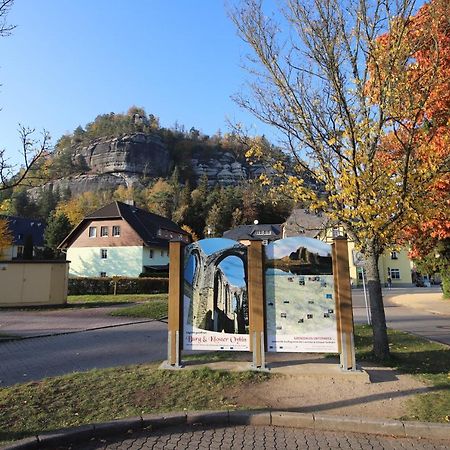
<point>117,285</point>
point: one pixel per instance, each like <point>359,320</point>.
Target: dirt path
<point>313,383</point>
<point>385,396</point>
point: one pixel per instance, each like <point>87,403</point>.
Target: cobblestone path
<point>254,437</point>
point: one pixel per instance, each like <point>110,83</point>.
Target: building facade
<point>120,240</point>
<point>25,232</point>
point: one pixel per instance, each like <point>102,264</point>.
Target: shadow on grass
<point>364,400</point>
<point>409,354</point>
<point>97,304</point>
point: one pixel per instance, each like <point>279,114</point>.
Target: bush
<point>117,285</point>
<point>154,275</point>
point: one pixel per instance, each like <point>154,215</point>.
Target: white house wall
<point>160,257</point>
<point>120,261</point>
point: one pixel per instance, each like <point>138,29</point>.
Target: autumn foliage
<point>420,103</point>
<point>5,236</point>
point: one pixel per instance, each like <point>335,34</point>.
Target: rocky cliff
<point>126,161</point>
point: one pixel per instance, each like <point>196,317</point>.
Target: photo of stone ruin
<point>215,282</point>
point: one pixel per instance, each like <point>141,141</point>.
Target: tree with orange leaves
<point>6,237</point>
<point>426,72</point>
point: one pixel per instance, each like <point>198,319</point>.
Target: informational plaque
<point>300,304</point>
<point>215,302</point>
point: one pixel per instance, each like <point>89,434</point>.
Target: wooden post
<point>256,302</point>
<point>344,313</point>
<point>175,329</point>
<point>337,307</point>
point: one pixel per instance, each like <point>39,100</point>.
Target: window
<point>151,253</point>
<point>162,252</point>
<point>116,230</point>
<point>20,251</point>
<point>103,274</point>
<point>395,274</point>
<point>336,232</point>
<point>104,253</point>
<point>20,236</point>
<point>92,232</point>
<point>394,255</point>
<point>103,231</point>
<point>263,232</point>
<point>265,242</point>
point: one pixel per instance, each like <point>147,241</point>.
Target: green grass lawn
<point>430,361</point>
<point>102,395</point>
<point>95,301</point>
<point>154,309</point>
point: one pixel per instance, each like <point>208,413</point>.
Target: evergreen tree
<point>58,227</point>
<point>28,247</point>
<point>47,202</point>
<point>22,206</point>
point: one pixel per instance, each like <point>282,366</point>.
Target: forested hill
<point>201,182</point>
<point>131,149</point>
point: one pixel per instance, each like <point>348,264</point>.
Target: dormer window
<point>116,230</point>
<point>92,232</point>
<point>104,231</point>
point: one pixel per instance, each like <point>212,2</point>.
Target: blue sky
<point>68,61</point>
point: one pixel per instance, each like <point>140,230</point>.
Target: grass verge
<point>430,361</point>
<point>95,301</point>
<point>102,395</point>
<point>154,309</point>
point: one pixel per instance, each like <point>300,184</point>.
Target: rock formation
<point>125,161</point>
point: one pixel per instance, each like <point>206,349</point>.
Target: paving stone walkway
<point>254,437</point>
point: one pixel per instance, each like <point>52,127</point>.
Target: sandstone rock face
<point>87,182</point>
<point>124,161</point>
<point>225,169</point>
<point>140,153</point>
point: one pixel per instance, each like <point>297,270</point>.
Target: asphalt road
<point>420,322</point>
<point>138,343</point>
<point>37,358</point>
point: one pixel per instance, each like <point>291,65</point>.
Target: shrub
<point>117,285</point>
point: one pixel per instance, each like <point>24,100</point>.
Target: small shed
<point>33,283</point>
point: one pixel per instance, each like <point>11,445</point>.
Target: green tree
<point>47,202</point>
<point>28,247</point>
<point>22,206</point>
<point>58,227</point>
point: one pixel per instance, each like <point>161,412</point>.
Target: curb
<point>317,422</point>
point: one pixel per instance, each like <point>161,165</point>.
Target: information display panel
<point>215,301</point>
<point>299,296</point>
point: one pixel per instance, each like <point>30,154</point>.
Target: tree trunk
<point>380,339</point>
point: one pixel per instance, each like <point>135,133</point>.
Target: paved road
<point>257,438</point>
<point>59,321</point>
<point>417,321</point>
<point>37,358</point>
